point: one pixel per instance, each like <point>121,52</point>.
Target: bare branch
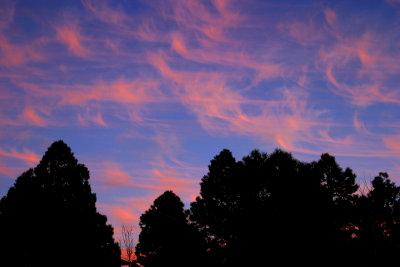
<point>128,241</point>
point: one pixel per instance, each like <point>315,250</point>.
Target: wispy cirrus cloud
<point>31,116</point>
<point>16,54</point>
<point>26,155</point>
<point>368,63</point>
<point>87,119</point>
<point>70,35</point>
<point>159,178</point>
<point>122,214</point>
<point>140,86</point>
<point>219,108</point>
<point>102,11</point>
<point>6,170</point>
<point>330,16</point>
<point>122,91</point>
<point>393,143</point>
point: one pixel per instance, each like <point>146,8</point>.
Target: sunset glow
<point>146,93</point>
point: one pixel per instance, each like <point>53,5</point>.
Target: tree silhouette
<point>273,206</point>
<point>128,242</point>
<point>214,211</point>
<point>263,208</point>
<point>335,206</point>
<point>49,217</point>
<point>379,221</point>
<point>166,238</point>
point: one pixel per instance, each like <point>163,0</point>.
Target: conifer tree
<point>49,217</point>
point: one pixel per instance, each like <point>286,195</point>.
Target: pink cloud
<point>202,35</point>
<point>140,92</point>
<point>121,213</point>
<point>112,175</point>
<point>367,51</point>
<point>123,91</point>
<point>158,179</point>
<point>105,13</point>
<point>99,119</point>
<point>392,142</point>
<point>6,171</point>
<point>124,215</point>
<point>359,125</point>
<point>305,33</point>
<point>11,172</point>
<point>326,138</point>
<point>220,109</point>
<point>70,35</point>
<point>27,155</point>
<point>14,55</point>
<point>178,44</point>
<point>193,15</point>
<point>10,121</point>
<point>11,54</point>
<point>31,117</point>
<point>139,27</point>
<point>219,55</point>
<point>89,118</point>
<point>114,45</point>
<point>369,79</point>
<point>147,31</point>
<point>173,180</point>
<point>331,77</point>
<point>360,149</point>
<point>330,16</point>
<point>169,143</point>
<point>140,204</point>
<point>119,91</point>
<point>208,34</point>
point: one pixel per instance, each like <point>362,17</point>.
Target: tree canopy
<point>261,209</point>
<point>166,237</point>
<point>49,217</point>
<point>275,208</point>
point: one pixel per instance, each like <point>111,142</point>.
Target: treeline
<point>274,210</point>
<point>266,209</point>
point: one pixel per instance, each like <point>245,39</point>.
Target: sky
<point>146,93</point>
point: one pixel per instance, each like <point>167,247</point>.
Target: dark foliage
<point>260,210</point>
<point>378,225</point>
<point>276,208</point>
<point>166,238</point>
<point>49,217</point>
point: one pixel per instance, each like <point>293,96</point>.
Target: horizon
<point>146,94</point>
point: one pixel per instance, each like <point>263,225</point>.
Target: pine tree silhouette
<point>49,217</point>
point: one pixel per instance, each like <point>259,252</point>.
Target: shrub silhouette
<point>49,217</point>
